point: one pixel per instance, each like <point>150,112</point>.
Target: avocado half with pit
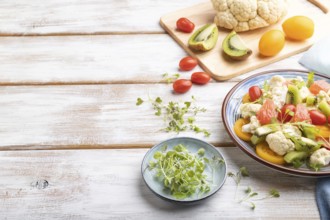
<point>235,48</point>
<point>205,38</point>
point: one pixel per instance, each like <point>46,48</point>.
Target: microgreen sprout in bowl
<point>184,170</point>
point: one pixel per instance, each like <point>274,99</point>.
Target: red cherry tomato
<point>182,85</point>
<point>255,93</point>
<point>187,63</point>
<point>286,113</point>
<point>318,118</point>
<point>185,25</point>
<point>200,78</point>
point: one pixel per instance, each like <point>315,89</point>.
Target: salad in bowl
<point>283,118</point>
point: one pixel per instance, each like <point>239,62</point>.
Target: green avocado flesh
<point>205,38</point>
<point>235,48</point>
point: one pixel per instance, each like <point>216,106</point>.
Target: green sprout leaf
<point>158,100</point>
<point>178,116</point>
<point>139,101</point>
<point>244,171</point>
<point>170,78</point>
<point>201,152</point>
<point>250,195</point>
<point>274,193</point>
<point>253,206</point>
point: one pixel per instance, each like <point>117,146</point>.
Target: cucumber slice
<point>324,107</point>
<point>256,139</point>
<point>311,100</point>
<point>267,129</point>
<point>294,156</point>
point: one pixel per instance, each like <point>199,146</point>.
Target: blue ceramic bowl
<point>229,116</point>
<point>193,145</point>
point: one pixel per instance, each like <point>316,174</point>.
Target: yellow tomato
<point>298,27</point>
<point>267,154</point>
<point>238,129</point>
<point>271,43</point>
<point>246,98</point>
<point>324,131</point>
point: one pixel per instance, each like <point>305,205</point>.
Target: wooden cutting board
<point>222,68</point>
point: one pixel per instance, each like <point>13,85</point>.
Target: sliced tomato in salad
<point>267,154</point>
<point>238,129</point>
<point>301,114</point>
<point>319,85</point>
<point>287,112</point>
<point>246,98</point>
<point>267,112</point>
<point>323,131</point>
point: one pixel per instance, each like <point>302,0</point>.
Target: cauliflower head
<point>279,144</point>
<point>244,15</point>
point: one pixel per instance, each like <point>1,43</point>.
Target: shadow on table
<point>162,205</point>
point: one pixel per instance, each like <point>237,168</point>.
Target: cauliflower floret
<point>304,92</point>
<point>277,90</point>
<point>291,130</point>
<point>323,95</point>
<point>276,81</point>
<point>279,144</point>
<point>279,95</point>
<point>249,109</point>
<point>320,157</point>
<point>252,126</point>
<point>244,15</point>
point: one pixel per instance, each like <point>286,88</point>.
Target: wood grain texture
<point>99,116</point>
<point>107,184</point>
<point>97,59</point>
<point>60,17</point>
<point>222,68</point>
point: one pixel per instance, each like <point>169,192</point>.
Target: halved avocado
<point>205,38</point>
<point>234,47</point>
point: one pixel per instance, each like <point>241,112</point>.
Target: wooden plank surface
<point>107,184</point>
<point>99,116</point>
<point>220,67</point>
<point>58,17</point>
<point>97,59</point>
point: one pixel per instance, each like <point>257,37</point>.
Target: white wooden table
<point>71,137</point>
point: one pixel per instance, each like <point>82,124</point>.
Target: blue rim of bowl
<point>183,201</point>
<point>281,168</point>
